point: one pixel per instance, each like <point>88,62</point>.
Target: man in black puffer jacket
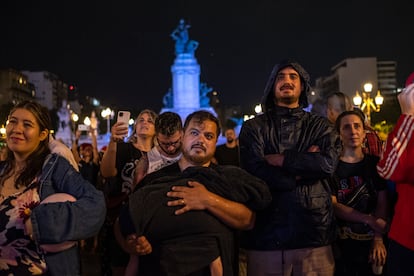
<point>294,152</point>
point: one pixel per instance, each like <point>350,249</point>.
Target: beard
<point>288,100</point>
<point>230,140</point>
<point>197,159</point>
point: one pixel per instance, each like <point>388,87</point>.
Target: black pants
<point>400,260</point>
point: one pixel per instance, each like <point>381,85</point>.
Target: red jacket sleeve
<point>397,161</point>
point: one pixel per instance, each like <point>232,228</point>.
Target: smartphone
<point>82,127</point>
<point>123,116</point>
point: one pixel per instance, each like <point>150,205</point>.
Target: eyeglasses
<point>171,144</point>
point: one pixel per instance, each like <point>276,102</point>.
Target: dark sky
<point>121,51</point>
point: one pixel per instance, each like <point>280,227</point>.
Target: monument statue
<point>204,98</point>
<point>186,95</point>
<point>183,43</point>
<point>64,132</point>
<point>64,117</point>
<point>167,100</point>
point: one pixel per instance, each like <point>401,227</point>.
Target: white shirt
<point>156,160</point>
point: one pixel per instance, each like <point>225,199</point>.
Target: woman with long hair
<point>119,163</point>
<point>38,238</point>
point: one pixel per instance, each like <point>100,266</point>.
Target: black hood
<point>267,101</point>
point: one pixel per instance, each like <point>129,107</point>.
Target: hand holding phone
<point>82,127</point>
<point>123,116</point>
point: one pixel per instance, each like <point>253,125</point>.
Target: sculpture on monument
<point>183,43</point>
<point>64,132</point>
<point>64,116</point>
<point>186,94</point>
<point>167,100</point>
<point>204,98</point>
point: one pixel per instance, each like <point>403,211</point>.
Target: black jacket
<point>186,243</point>
<point>301,213</point>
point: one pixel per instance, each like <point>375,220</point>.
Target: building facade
<point>349,76</point>
<point>51,91</point>
<point>15,87</point>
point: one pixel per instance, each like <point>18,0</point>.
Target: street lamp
<point>107,114</point>
<point>258,108</point>
<point>2,131</point>
<point>366,103</point>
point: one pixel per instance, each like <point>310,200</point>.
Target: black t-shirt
<point>126,155</point>
<point>227,156</point>
<point>192,240</point>
<point>357,184</point>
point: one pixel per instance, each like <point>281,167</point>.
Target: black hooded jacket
<point>301,213</point>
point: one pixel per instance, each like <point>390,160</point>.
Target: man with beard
<point>228,153</point>
<point>294,151</point>
<point>188,210</point>
<point>169,132</point>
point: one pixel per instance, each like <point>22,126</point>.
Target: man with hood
<point>294,151</point>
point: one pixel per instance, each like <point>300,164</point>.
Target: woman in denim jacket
<point>38,238</point>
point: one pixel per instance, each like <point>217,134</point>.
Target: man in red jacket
<point>397,165</point>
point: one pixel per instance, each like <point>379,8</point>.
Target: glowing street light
<point>75,117</point>
<point>107,114</point>
<point>366,103</point>
<point>258,108</point>
<point>2,131</point>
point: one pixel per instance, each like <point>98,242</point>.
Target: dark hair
<point>168,123</point>
<point>200,116</point>
<point>35,160</point>
<point>361,113</point>
<point>268,100</point>
<point>344,102</point>
<point>346,113</point>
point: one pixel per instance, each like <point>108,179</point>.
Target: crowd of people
<point>295,193</point>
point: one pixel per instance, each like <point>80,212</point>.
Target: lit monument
<point>184,97</point>
<point>64,132</point>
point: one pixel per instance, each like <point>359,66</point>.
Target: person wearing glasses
<point>181,219</point>
<point>169,132</point>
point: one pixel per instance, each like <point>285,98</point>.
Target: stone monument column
<point>186,81</point>
<point>185,71</point>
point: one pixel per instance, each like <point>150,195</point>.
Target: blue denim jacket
<point>66,221</point>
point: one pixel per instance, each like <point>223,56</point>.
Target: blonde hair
<point>133,138</point>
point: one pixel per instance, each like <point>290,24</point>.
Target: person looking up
<point>87,157</point>
<point>120,160</point>
<point>294,151</point>
<point>169,132</point>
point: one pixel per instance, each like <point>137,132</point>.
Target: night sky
<point>121,51</point>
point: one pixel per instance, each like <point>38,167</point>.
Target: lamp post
<point>2,131</point>
<point>366,103</point>
<point>107,114</point>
